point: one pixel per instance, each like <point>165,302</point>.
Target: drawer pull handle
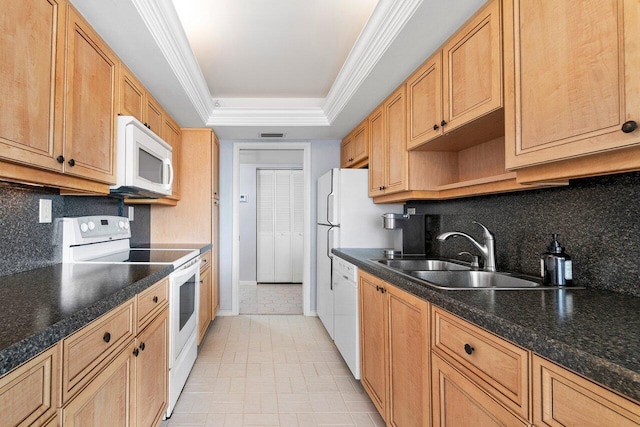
<point>629,126</point>
<point>468,349</point>
<point>142,346</point>
<point>106,337</point>
<point>136,352</point>
<point>155,299</point>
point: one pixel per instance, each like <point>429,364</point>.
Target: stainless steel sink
<point>422,264</point>
<point>452,275</point>
<point>460,280</point>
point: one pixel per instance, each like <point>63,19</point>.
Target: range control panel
<point>92,229</point>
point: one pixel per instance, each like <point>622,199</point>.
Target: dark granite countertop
<point>40,307</point>
<point>592,332</point>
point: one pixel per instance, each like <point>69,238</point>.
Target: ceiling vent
<point>272,135</point>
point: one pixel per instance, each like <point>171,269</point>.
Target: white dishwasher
<point>345,302</point>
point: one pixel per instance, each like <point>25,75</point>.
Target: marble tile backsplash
<point>598,220</point>
<point>25,244</point>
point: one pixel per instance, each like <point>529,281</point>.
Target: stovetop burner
<point>106,240</point>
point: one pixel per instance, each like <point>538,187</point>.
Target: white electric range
<point>106,240</point>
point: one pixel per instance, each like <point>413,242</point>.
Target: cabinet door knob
<point>630,126</point>
<point>136,352</point>
<point>436,127</point>
<point>443,123</point>
<point>155,299</point>
<point>142,346</point>
<point>72,162</point>
<point>468,349</point>
<point>60,159</point>
<point>106,337</point>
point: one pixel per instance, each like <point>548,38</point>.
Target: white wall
<point>324,156</point>
<point>248,219</point>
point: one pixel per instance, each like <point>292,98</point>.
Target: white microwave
<point>144,165</point>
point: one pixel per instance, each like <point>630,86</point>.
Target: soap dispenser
<point>555,265</point>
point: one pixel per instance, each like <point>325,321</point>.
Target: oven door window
<point>187,301</point>
<point>150,167</point>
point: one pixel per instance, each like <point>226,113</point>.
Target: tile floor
<point>271,371</point>
<point>271,299</point>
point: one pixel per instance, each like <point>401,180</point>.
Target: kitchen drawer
<point>29,393</point>
<point>497,366</point>
<point>459,402</point>
<point>151,301</point>
<point>87,351</point>
<point>206,260</point>
<point>563,398</point>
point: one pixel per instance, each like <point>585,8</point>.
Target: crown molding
<point>387,20</point>
<point>163,23</point>
<point>230,116</point>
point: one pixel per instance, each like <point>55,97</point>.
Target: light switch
<point>45,211</point>
<point>130,213</point>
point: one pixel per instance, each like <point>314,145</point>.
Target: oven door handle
<point>186,271</point>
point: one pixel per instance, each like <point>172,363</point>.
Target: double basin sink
<point>452,275</point>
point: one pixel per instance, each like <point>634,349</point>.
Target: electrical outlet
<point>130,213</point>
<point>45,211</point>
<point>411,211</point>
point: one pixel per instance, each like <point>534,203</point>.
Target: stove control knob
<point>92,225</point>
<point>120,224</point>
<point>84,227</point>
<point>126,225</point>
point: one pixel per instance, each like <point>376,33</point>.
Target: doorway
<point>276,292</point>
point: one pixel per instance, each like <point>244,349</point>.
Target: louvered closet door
<point>283,216</point>
<point>265,238</point>
<point>297,230</point>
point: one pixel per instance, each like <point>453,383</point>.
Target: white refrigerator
<point>346,218</point>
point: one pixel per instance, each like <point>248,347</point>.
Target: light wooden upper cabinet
<point>424,102</point>
<point>153,115</point>
<point>132,95</point>
<point>572,78</point>
<point>564,398</point>
<point>137,102</point>
<point>457,85</point>
<point>90,103</point>
<point>345,151</point>
<point>354,149</point>
<point>388,164</point>
<point>171,134</point>
<point>472,69</point>
<point>31,81</point>
<point>376,152</point>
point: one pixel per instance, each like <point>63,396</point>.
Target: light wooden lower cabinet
<point>108,400</point>
<point>458,402</point>
<point>562,398</point>
<point>152,368</point>
<point>497,366</point>
<point>394,352</point>
<point>29,394</point>
<point>204,306</point>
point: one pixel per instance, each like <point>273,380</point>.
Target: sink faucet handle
<point>475,259</point>
<point>487,234</point>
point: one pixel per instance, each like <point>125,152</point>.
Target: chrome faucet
<point>488,250</point>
